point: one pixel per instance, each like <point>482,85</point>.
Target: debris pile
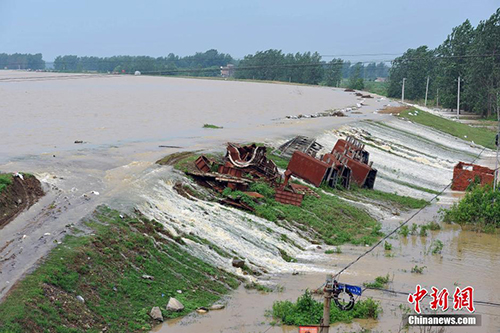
<point>243,165</point>
<point>347,162</point>
<point>300,143</point>
<point>465,174</point>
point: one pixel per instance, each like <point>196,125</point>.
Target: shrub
<point>418,269</point>
<point>379,283</point>
<point>480,207</point>
<point>307,311</point>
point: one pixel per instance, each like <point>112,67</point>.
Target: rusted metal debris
<point>352,154</point>
<point>465,173</point>
<point>251,160</point>
<point>307,168</point>
<point>347,162</point>
<point>299,143</point>
<point>288,197</point>
<point>243,165</point>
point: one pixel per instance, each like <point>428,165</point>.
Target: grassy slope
<point>106,268</point>
<point>404,202</point>
<point>480,136</point>
<point>400,201</point>
<point>333,220</point>
<point>5,180</point>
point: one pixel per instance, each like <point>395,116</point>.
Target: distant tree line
<point>473,54</point>
<point>307,67</point>
<point>21,61</point>
<point>201,64</point>
<point>271,65</point>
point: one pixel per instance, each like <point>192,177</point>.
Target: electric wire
<point>402,224</point>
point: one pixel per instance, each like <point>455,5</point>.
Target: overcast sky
<point>156,28</point>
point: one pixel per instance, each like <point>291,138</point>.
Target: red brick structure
<point>466,173</point>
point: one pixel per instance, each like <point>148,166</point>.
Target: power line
<point>402,224</point>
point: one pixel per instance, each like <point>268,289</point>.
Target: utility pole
<point>437,96</point>
<point>495,181</point>
<point>325,322</point>
<point>458,99</point>
<point>403,91</point>
<point>426,91</point>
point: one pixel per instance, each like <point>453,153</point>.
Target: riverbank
<point>17,193</point>
<point>116,168</point>
<point>110,278</point>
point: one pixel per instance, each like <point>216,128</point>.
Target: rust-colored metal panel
<point>203,164</point>
<point>359,171</point>
<point>465,173</point>
<point>307,168</point>
<point>230,171</point>
<point>288,197</point>
<point>254,195</point>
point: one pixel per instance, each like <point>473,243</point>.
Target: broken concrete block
<point>156,313</point>
<point>174,305</point>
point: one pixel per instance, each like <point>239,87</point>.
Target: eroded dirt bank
<point>116,167</point>
<point>20,195</point>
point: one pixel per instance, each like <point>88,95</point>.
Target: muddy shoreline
<point>116,167</point>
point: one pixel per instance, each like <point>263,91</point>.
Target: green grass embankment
<point>333,220</point>
<point>481,136</point>
<point>106,268</point>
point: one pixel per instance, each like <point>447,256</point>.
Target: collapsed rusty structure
<point>464,174</point>
<point>348,161</point>
<point>243,165</point>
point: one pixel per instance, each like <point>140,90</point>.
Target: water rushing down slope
<point>237,233</point>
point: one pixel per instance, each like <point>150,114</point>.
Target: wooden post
<point>325,325</point>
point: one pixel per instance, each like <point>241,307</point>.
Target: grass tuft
<point>212,126</point>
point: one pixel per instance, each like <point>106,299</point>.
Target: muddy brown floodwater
<point>124,119</point>
<point>468,258</point>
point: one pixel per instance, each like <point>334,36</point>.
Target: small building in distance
<point>227,71</point>
<point>381,79</point>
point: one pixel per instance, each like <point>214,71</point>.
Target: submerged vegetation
<point>482,136</point>
<point>480,208</point>
<point>379,283</point>
<point>308,311</point>
<point>124,268</point>
<point>212,126</point>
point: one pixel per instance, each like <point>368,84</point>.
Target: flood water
<point>124,119</point>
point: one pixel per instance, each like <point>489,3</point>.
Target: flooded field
<point>124,119</point>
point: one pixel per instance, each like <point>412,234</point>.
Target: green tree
<point>333,72</point>
<point>414,65</point>
<point>356,81</point>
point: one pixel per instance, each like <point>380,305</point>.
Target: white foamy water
<point>240,234</point>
